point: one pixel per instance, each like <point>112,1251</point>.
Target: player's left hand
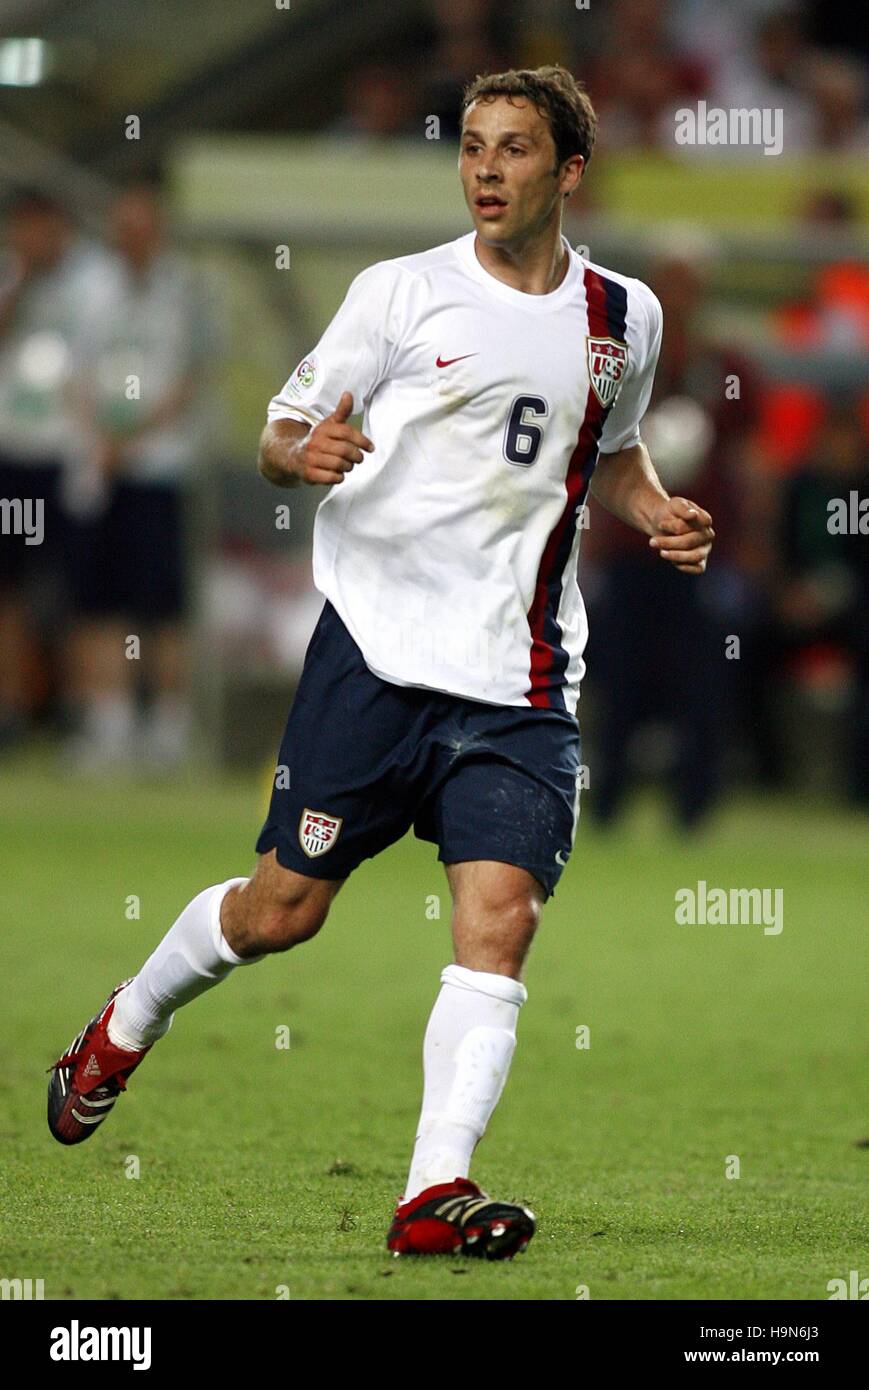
<point>683,535</point>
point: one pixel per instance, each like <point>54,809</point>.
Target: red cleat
<point>457,1218</point>
<point>87,1080</point>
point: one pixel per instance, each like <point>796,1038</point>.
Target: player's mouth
<point>489,204</point>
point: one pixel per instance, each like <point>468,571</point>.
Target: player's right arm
<point>308,438</point>
<point>292,451</point>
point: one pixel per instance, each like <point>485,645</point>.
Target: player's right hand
<point>333,447</point>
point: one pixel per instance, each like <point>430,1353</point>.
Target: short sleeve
<point>622,427</point>
<point>354,354</point>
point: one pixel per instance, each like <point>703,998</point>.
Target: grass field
<point>262,1168</point>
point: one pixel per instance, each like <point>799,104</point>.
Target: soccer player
<point>497,374</point>
<point>128,483</point>
<point>48,276</point>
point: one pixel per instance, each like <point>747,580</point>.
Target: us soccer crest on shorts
<point>607,359</point>
<point>318,832</point>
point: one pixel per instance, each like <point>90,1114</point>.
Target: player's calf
<point>231,924</point>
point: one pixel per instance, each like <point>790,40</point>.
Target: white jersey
<point>37,356</point>
<point>450,552</point>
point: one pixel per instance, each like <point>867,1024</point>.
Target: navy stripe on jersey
<point>607,303</point>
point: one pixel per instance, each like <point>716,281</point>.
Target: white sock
<point>193,956</point>
<point>109,723</point>
<point>168,729</point>
<point>469,1044</point>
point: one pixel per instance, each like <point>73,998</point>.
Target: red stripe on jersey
<point>584,453</point>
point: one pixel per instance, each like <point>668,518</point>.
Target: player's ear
<point>574,161</point>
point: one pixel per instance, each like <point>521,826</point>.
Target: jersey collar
<point>534,303</point>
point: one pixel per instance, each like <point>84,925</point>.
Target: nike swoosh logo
<point>447,362</point>
<point>559,859</point>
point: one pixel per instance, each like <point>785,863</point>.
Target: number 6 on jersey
<point>522,438</point>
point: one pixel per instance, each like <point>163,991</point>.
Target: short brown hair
<point>557,95</point>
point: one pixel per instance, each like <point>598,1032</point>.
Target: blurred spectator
<point>379,102</point>
<point>717,36</point>
<point>641,74</point>
<point>468,37</point>
<point>831,209</point>
<point>658,654</point>
<point>822,590</point>
<point>763,55</point>
<point>774,72</point>
<point>838,89</point>
<point>142,365</point>
<point>47,278</point>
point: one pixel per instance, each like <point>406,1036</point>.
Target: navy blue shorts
<point>129,561</point>
<point>363,760</point>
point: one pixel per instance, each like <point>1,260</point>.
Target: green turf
<point>263,1168</point>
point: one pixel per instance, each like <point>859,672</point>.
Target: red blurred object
<point>838,304</point>
<point>791,418</point>
<point>821,666</point>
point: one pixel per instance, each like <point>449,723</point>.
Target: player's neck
<point>536,267</point>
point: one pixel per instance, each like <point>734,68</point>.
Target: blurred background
<point>186,193</point>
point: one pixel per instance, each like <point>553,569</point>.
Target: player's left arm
<point>625,482</point>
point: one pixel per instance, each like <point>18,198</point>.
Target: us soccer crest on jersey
<point>607,360</point>
<point>318,832</point>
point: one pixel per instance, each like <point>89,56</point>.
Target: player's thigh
<point>514,799</point>
<point>346,783</point>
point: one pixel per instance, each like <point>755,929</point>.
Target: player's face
<point>507,165</point>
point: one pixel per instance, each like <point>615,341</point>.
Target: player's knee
<point>502,932</point>
<point>519,915</point>
<point>521,918</point>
